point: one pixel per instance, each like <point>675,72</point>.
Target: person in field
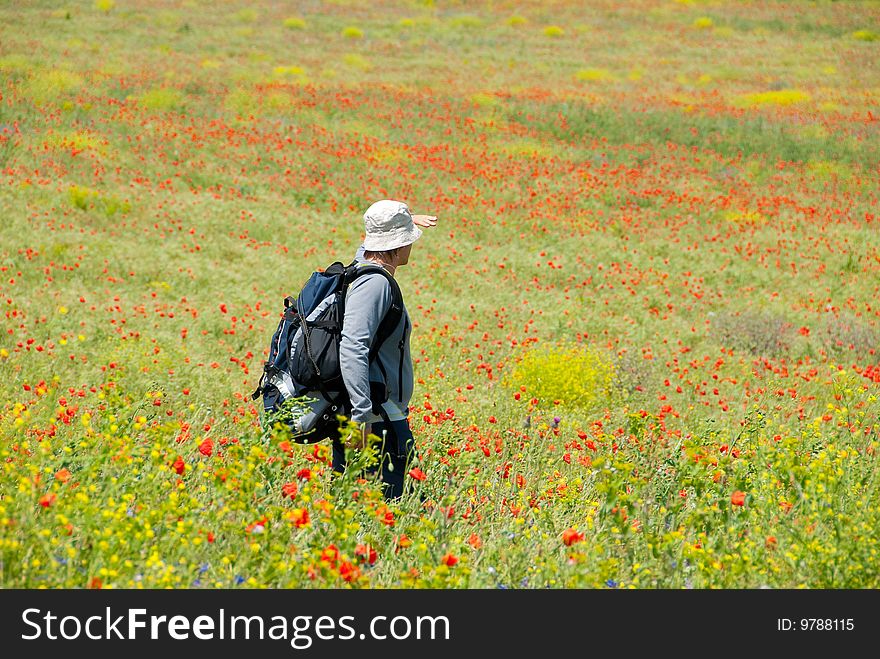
<point>390,231</point>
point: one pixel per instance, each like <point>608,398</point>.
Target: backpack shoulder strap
<point>395,312</point>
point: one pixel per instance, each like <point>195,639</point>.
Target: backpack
<point>302,384</point>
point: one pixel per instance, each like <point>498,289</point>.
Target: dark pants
<point>395,456</point>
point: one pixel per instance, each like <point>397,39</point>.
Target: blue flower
<point>611,583</point>
<point>239,579</point>
<point>204,568</point>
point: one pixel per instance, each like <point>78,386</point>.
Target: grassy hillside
<point>645,327</point>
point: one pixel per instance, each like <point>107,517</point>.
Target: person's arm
<point>367,302</point>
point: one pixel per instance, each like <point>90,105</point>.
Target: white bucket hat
<point>389,225</point>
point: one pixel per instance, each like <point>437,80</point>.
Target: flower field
<point>646,326</point>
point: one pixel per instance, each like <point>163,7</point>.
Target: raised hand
<point>425,220</point>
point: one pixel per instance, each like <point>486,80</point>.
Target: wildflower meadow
<point>645,328</point>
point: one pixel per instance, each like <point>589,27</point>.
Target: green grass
<point>729,136</point>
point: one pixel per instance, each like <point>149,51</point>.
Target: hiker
<point>380,391</point>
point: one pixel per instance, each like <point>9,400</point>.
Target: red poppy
<point>206,448</point>
<point>47,500</point>
<point>738,498</point>
<point>330,554</point>
<point>349,572</point>
<point>62,475</point>
<point>299,517</point>
<point>571,536</point>
<point>366,553</point>
<point>385,516</point>
<point>449,559</point>
<point>289,489</point>
<point>179,465</point>
<point>418,474</point>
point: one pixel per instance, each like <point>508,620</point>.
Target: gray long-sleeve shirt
<point>367,301</point>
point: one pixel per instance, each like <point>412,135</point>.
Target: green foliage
<point>594,75</point>
<point>781,97</point>
<point>294,23</point>
<point>121,495</point>
<point>84,199</point>
<point>729,136</point>
<point>162,99</point>
<point>352,32</point>
<point>53,85</point>
<point>466,21</point>
<point>15,65</point>
<point>578,377</point>
<point>865,35</point>
<point>247,15</point>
